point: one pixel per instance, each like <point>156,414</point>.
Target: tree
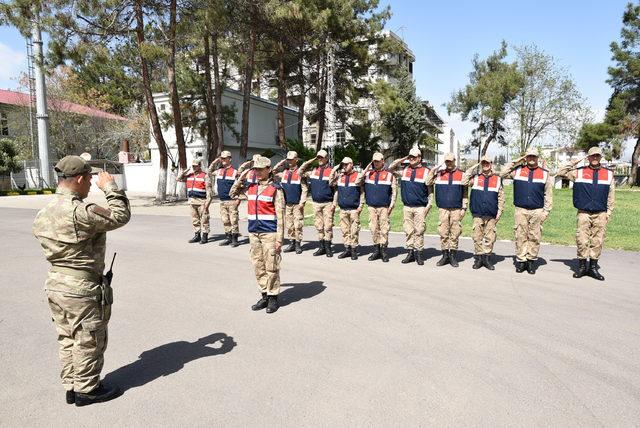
<point>493,85</point>
<point>362,144</point>
<point>8,157</point>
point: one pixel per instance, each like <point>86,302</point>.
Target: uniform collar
<point>67,192</point>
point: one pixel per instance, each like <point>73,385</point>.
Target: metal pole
<point>41,106</point>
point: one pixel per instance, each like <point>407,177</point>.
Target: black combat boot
<point>582,269</point>
<point>234,239</point>
<point>453,261</point>
<point>196,238</point>
<point>520,266</point>
<point>477,262</point>
<point>383,253</point>
<point>354,253</point>
<point>411,257</point>
<point>260,304</point>
<point>328,249</point>
<point>346,253</point>
<point>99,395</point>
<point>531,267</point>
<point>70,397</point>
<point>227,240</point>
<point>593,270</point>
<point>419,259</point>
<point>205,238</point>
<point>291,248</point>
<point>444,259</point>
<point>298,245</point>
<point>376,254</point>
<point>321,251</point>
<point>486,261</point>
<point>273,304</point>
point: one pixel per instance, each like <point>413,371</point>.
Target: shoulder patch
<point>98,210</point>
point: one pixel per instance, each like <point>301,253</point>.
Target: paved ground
<point>355,343</point>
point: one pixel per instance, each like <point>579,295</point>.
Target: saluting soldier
<point>225,175</point>
<point>322,197</point>
<point>533,198</point>
<point>486,204</point>
<point>451,200</point>
<point>265,214</point>
<point>199,192</point>
<point>417,198</point>
<point>73,235</point>
<point>594,198</point>
<point>350,198</point>
<point>380,195</point>
<point>295,194</point>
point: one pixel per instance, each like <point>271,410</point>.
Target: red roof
<point>22,100</point>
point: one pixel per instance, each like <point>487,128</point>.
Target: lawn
<point>623,231</point>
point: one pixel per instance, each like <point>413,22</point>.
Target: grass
<point>623,231</point>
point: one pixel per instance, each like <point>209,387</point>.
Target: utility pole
<point>42,117</point>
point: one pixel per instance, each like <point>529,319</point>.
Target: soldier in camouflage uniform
<point>200,193</point>
<point>73,236</point>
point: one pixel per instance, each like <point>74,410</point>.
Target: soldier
<point>199,192</point>
<point>349,197</point>
<point>594,197</point>
<point>73,236</point>
<point>265,214</point>
<point>417,199</point>
<point>224,177</point>
<point>533,198</point>
<point>487,205</point>
<point>380,194</point>
<point>295,194</point>
<point>251,176</point>
<point>322,197</point>
<point>451,200</point>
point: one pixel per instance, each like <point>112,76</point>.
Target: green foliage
<point>8,157</point>
<point>362,145</point>
<point>304,153</point>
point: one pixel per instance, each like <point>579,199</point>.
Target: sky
<point>445,35</point>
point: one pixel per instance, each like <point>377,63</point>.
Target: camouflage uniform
<point>349,219</point>
<point>73,236</point>
<point>199,207</point>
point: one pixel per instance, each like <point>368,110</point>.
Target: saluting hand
<point>104,178</point>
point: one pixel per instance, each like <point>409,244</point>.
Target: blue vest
<point>413,186</point>
<point>225,177</point>
<point>377,189</point>
<point>291,184</point>
<point>349,192</point>
<point>528,187</point>
<point>321,191</point>
<point>449,189</point>
<point>591,189</point>
<point>484,196</point>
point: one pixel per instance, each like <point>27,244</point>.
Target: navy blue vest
<point>414,190</point>
<point>377,188</point>
<point>449,189</point>
<point>528,187</point>
<point>349,192</point>
<point>591,189</point>
<point>292,186</point>
<point>484,196</point>
<point>321,191</point>
<point>225,177</point>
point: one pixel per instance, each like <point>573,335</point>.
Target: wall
<point>141,177</point>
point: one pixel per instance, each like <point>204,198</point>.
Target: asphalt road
<point>354,344</point>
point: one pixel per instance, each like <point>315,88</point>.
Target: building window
<point>4,124</point>
<point>410,68</point>
<point>163,107</point>
<point>340,137</point>
<point>313,139</point>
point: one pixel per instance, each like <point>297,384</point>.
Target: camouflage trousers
<point>81,323</point>
<point>350,226</point>
<point>484,234</point>
<point>414,226</point>
<point>229,216</point>
<point>450,227</point>
<point>590,234</point>
<point>528,232</point>
<point>266,262</point>
<point>379,224</point>
<point>294,221</point>
<point>323,219</point>
<point>199,217</point>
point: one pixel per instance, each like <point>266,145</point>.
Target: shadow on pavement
<point>295,292</point>
<point>168,359</point>
<point>572,264</point>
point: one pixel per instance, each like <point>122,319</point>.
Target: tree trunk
<point>151,108</point>
<point>322,104</point>
<point>635,158</point>
<point>282,94</point>
<point>212,123</point>
<point>303,99</point>
<point>246,96</point>
<point>485,146</point>
<point>217,94</point>
<point>181,191</point>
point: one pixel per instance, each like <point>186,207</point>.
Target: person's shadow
<point>168,359</point>
<point>295,292</point>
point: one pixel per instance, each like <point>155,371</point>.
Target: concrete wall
<point>141,177</point>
